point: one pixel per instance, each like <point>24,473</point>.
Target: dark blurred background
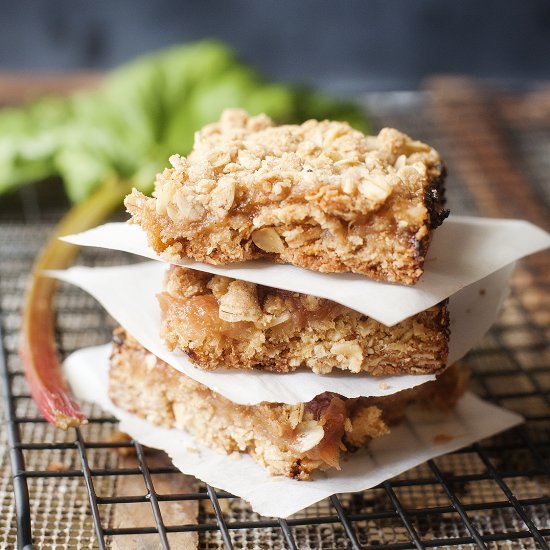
<point>344,45</point>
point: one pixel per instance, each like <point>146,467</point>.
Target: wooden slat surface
<point>16,88</point>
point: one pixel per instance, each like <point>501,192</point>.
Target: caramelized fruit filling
<point>330,411</point>
<point>201,317</point>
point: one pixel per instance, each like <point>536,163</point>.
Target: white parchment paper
<point>421,437</point>
<point>128,293</point>
<point>463,251</point>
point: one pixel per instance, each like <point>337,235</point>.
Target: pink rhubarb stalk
<point>38,350</point>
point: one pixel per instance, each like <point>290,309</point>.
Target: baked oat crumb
<point>290,440</point>
<point>320,195</point>
<point>218,321</point>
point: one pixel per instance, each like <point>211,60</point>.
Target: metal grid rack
<point>72,488</point>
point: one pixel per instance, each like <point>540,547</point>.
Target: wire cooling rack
<point>90,488</point>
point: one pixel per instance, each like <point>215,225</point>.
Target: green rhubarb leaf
<point>144,112</point>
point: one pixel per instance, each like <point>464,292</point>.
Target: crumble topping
<point>320,194</point>
<point>340,169</point>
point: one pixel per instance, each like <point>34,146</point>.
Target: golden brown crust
<point>290,440</point>
<point>220,321</point>
<point>319,195</point>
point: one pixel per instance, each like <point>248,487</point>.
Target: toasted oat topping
<point>245,160</point>
<point>318,195</point>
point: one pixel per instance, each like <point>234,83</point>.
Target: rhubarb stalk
<point>38,350</point>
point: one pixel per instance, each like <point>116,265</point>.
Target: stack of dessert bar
<point>320,196</point>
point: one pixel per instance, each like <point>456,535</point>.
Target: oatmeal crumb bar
<point>223,322</point>
<point>319,195</point>
<point>290,440</point>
